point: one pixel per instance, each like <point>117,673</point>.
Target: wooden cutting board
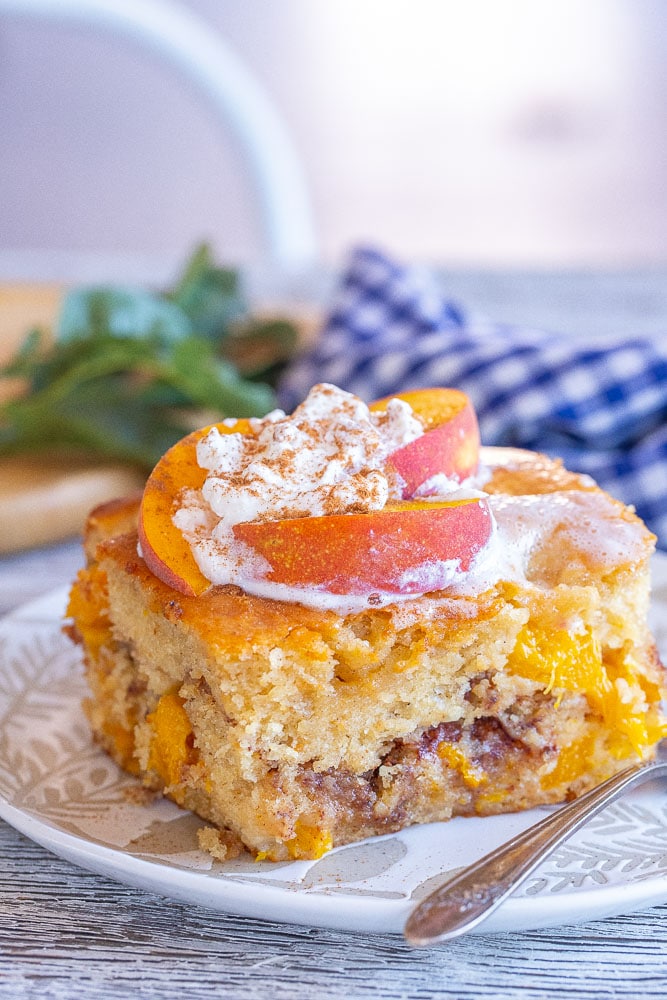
<point>44,501</point>
<point>47,500</point>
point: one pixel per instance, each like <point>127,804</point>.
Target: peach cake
<point>319,628</point>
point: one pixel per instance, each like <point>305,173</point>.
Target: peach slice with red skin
<point>449,445</point>
<point>163,548</point>
<point>404,548</point>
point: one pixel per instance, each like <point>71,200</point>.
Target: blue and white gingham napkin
<point>603,409</point>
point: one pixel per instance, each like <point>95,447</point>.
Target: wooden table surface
<point>66,933</point>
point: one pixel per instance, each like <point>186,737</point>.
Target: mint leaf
<point>209,296</point>
<point>210,381</point>
<point>120,312</point>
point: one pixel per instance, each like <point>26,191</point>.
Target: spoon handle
<point>466,899</point>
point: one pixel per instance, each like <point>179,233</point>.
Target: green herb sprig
<point>130,371</point>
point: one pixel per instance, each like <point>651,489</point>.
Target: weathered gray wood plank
<point>67,933</point>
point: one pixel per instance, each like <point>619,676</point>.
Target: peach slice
<point>449,444</point>
<point>405,548</point>
<point>163,547</point>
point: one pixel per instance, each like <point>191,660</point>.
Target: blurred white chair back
<point>199,54</point>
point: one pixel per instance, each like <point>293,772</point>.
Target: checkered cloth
<point>603,409</point>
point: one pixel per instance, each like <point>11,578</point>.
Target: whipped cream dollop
<point>328,457</point>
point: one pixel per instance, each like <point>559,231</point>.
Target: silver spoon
<point>469,897</point>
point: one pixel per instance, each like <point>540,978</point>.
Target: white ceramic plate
<point>62,792</point>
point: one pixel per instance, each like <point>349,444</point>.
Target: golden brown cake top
<point>557,526</point>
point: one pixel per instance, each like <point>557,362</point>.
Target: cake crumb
<point>137,795</point>
<point>222,845</point>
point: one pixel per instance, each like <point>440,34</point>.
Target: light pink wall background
<point>518,133</point>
